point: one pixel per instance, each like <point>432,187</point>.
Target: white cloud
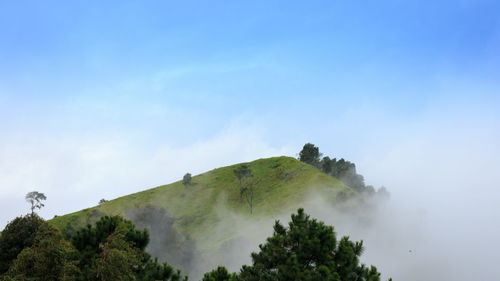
<point>443,176</point>
<point>76,172</point>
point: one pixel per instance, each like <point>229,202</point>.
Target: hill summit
<point>193,223</point>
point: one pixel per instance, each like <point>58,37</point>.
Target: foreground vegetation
<point>113,249</point>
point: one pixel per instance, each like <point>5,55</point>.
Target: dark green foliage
<point>219,274</point>
<point>117,259</point>
<point>88,240</point>
<point>111,250</point>
<point>91,237</point>
<point>307,251</point>
<point>17,235</point>
<point>153,270</point>
<point>326,165</point>
<point>346,172</point>
<point>310,154</point>
<point>341,169</point>
<point>49,258</point>
<point>114,250</point>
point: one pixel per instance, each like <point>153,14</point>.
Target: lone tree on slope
<point>249,192</point>
<point>35,198</point>
<point>241,173</point>
<point>186,180</point>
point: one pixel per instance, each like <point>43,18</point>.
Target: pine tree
<point>117,259</point>
<point>219,274</point>
<point>114,249</point>
<point>307,250</point>
<point>49,258</point>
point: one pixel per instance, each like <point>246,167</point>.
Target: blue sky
<point>106,97</point>
<point>100,99</point>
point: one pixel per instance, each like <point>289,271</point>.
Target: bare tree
<point>241,173</point>
<point>249,193</point>
<point>35,198</point>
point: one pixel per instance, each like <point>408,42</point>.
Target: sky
<point>99,99</point>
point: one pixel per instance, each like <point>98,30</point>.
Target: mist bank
<point>405,240</point>
<point>444,180</point>
<point>243,233</point>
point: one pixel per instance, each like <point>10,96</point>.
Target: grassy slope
<point>282,183</point>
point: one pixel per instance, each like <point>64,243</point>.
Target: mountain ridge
<point>202,219</point>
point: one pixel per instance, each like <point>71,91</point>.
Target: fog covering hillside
<point>439,214</point>
<point>409,237</point>
<point>198,226</point>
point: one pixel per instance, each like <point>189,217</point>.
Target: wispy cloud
<point>76,172</point>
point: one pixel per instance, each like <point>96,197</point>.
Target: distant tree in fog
<point>250,192</point>
<point>383,193</point>
<point>327,165</point>
<point>340,169</point>
<point>35,198</point>
<point>242,172</point>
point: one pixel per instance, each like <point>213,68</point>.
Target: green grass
<point>283,182</point>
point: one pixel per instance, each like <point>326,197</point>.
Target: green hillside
<point>191,215</point>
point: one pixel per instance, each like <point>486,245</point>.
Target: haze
<point>102,100</point>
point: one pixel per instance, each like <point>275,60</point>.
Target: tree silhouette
<point>35,198</point>
<point>310,154</point>
<point>249,192</point>
<point>307,250</point>
<point>186,180</point>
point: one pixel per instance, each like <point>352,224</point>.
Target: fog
<point>447,239</point>
<point>440,166</point>
<point>445,187</point>
<point>101,100</point>
<point>442,221</point>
